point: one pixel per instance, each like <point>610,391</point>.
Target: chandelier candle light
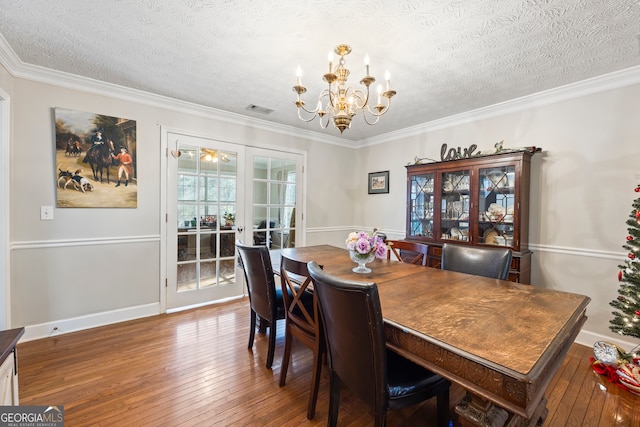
<point>339,102</point>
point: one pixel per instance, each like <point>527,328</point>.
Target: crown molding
<point>20,69</point>
<point>615,80</point>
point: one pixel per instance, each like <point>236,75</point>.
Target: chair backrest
<point>258,272</point>
<point>295,280</point>
<point>354,332</point>
<point>409,252</point>
<point>260,237</point>
<point>488,262</point>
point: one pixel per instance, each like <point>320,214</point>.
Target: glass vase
<point>362,260</point>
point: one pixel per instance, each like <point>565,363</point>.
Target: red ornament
<point>632,256</point>
<point>619,275</point>
<point>638,313</point>
<point>629,238</point>
<point>637,190</point>
<point>637,214</point>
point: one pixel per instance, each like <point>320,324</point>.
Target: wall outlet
<point>46,213</point>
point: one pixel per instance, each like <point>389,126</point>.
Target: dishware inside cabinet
<point>421,202</point>
<point>455,204</point>
<point>496,205</point>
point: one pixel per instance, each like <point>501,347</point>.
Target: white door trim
<point>5,226</point>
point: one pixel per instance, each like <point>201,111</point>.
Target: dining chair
<point>488,262</point>
<point>409,252</point>
<point>358,357</point>
<point>302,322</point>
<point>261,237</point>
<point>265,299</point>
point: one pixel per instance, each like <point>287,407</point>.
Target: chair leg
<point>286,355</point>
<point>334,400</point>
<point>381,419</point>
<point>315,382</point>
<point>252,329</point>
<point>443,408</point>
<point>272,343</point>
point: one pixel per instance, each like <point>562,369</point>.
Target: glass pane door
<point>496,205</point>
<point>454,213</point>
<point>277,187</point>
<point>422,205</point>
<point>205,187</point>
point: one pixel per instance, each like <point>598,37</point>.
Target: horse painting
<point>99,157</point>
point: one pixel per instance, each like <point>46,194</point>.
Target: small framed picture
<point>379,182</point>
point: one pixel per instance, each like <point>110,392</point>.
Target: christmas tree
<point>626,320</point>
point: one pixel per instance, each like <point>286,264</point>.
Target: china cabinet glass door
<point>422,205</point>
<point>455,205</point>
<point>496,205</point>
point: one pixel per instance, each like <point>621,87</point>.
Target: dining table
<point>501,341</point>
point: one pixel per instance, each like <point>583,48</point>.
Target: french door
<point>205,182</point>
<point>274,193</point>
<point>218,193</point>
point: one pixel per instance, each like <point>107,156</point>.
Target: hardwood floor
<point>193,369</point>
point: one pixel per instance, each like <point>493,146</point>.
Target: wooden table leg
<point>474,411</point>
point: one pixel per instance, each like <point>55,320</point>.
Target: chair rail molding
<point>37,244</point>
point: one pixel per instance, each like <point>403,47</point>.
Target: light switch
<point>46,213</point>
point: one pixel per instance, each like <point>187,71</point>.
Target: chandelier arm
<point>362,96</point>
<point>314,111</point>
<point>307,120</point>
<point>364,116</point>
<point>375,113</point>
<point>380,111</point>
<point>328,120</point>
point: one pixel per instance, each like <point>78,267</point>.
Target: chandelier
<point>339,102</point>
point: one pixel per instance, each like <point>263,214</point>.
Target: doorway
<point>205,178</point>
<point>217,193</point>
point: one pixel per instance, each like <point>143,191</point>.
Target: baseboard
<point>589,338</point>
<point>65,326</point>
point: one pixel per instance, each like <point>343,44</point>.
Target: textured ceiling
<point>445,56</point>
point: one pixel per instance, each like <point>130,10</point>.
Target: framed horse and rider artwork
<point>95,158</point>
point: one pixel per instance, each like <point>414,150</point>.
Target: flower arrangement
<point>363,244</point>
<point>229,217</point>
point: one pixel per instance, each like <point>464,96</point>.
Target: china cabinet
<point>478,201</point>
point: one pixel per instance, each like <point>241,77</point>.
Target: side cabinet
<point>9,366</point>
<point>479,201</point>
